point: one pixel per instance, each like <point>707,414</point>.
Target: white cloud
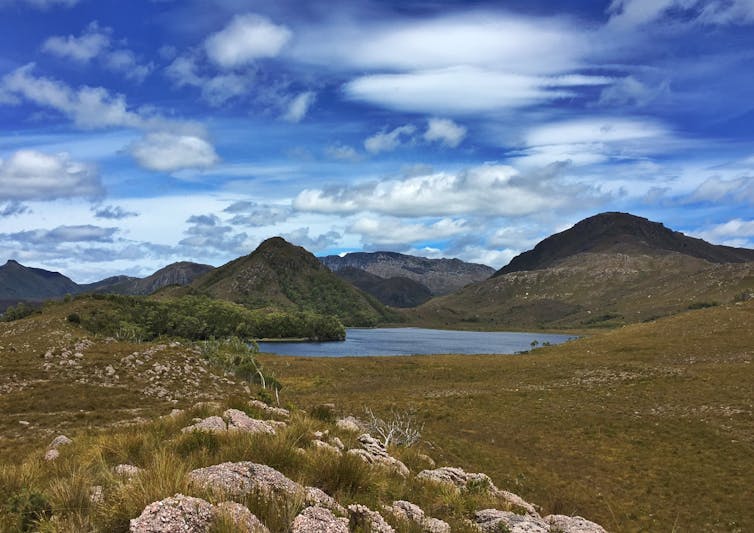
<point>630,91</point>
<point>382,231</point>
<point>29,175</point>
<point>216,90</point>
<point>13,208</point>
<point>92,42</point>
<point>167,152</point>
<point>737,232</point>
<point>445,131</point>
<point>386,141</point>
<point>125,62</point>
<point>252,214</point>
<point>718,189</point>
<point>84,233</point>
<point>628,14</point>
<point>482,190</point>
<point>247,38</point>
<point>533,45</point>
<point>300,237</point>
<point>88,107</point>
<point>342,152</point>
<point>592,140</point>
<point>299,106</point>
<point>463,90</point>
<point>42,4</point>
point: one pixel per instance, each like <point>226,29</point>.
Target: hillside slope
<point>607,270</point>
<point>18,282</point>
<point>395,292</point>
<point>279,275</point>
<point>440,276</point>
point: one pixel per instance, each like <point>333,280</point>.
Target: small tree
<point>401,428</point>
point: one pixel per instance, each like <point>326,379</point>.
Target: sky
<point>135,134</point>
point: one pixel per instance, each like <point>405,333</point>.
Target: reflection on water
<point>414,341</point>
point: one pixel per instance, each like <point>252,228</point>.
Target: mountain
<point>440,276</point>
<point>607,270</point>
<point>21,283</point>
<point>18,282</point>
<point>181,273</point>
<point>395,292</point>
<point>279,275</point>
<point>621,232</point>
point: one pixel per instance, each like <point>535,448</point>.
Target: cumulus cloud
<point>247,38</point>
<point>112,212</point>
<point>207,232</point>
<point>386,141</point>
<point>444,131</point>
<point>95,42</point>
<point>299,106</point>
<point>12,208</point>
<point>216,90</point>
<point>460,90</point>
<point>737,232</point>
<point>167,152</point>
<point>252,214</point>
<point>85,233</point>
<point>301,237</point>
<point>33,175</point>
<point>483,190</point>
<point>91,43</point>
<point>390,231</point>
<point>342,152</point>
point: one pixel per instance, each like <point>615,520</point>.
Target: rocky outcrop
<point>410,512</point>
<point>349,423</point>
<point>127,471</point>
<point>176,514</point>
<point>364,519</point>
<point>373,451</point>
<point>494,521</point>
<point>268,409</point>
<point>234,420</point>
<point>462,480</point>
<point>318,520</point>
<point>240,517</point>
<point>240,479</point>
<point>572,524</point>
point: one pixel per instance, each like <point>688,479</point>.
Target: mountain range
<point>607,270</point>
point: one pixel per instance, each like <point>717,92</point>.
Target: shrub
<point>31,507</point>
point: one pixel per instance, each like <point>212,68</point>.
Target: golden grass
<point>645,428</point>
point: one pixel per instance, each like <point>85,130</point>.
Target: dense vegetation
<point>198,318</point>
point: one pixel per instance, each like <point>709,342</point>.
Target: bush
<point>31,507</point>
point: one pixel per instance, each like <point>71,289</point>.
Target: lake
<point>361,342</point>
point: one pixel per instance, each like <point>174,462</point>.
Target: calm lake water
<point>413,341</point>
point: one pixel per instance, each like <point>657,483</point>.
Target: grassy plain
<point>649,427</point>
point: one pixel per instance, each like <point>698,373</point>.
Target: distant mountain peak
<point>620,232</point>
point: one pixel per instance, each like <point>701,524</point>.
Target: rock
<point>364,519</point>
<point>60,440</point>
<point>349,423</point>
<point>319,498</point>
<point>239,479</point>
<point>212,424</point>
<point>24,423</point>
<point>572,524</point>
<point>275,411</point>
<point>326,446</point>
<point>373,452</point>
<point>240,421</point>
<point>127,471</point>
<point>457,477</point>
<point>335,441</point>
<point>413,513</point>
<point>427,459</point>
<point>242,519</point>
<point>177,514</point>
<point>175,413</point>
<point>52,454</point>
<point>493,521</point>
<point>318,520</point>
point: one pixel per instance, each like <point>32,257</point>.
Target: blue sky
<point>132,137</point>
